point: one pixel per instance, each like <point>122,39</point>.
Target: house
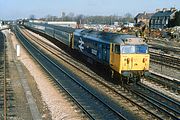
<point>142,18</point>
<point>162,18</point>
<point>1,24</point>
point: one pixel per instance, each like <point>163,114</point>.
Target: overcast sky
<point>14,9</point>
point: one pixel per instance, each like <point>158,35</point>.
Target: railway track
<point>3,86</point>
<point>165,81</point>
<point>163,104</point>
<point>116,90</point>
<point>165,48</point>
<point>83,95</point>
<point>165,59</point>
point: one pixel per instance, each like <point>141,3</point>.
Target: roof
<point>163,13</point>
<point>66,29</point>
<point>144,15</point>
<point>105,37</point>
<point>62,28</point>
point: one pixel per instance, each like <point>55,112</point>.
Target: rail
<point>90,104</point>
<point>3,76</point>
<point>165,59</point>
<point>5,93</point>
<point>166,81</point>
<point>162,103</point>
<point>67,60</point>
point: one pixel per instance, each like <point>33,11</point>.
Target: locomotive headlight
<point>128,60</point>
<point>144,60</point>
<point>132,59</point>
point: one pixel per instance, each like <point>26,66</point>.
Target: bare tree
<point>51,18</point>
<point>128,18</point>
<point>63,15</point>
<point>71,16</point>
<point>32,17</point>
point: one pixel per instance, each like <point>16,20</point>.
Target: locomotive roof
<point>107,37</point>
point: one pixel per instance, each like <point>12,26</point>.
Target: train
<point>125,55</point>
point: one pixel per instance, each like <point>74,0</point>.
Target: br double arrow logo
<point>81,45</point>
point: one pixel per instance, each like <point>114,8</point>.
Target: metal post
<point>161,59</point>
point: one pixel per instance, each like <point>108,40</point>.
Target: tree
<point>32,17</point>
<point>79,18</point>
<point>63,15</point>
<point>128,18</point>
<point>71,15</point>
<point>51,18</point>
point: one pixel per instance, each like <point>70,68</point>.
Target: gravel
<point>52,102</point>
<point>165,70</point>
<point>154,67</point>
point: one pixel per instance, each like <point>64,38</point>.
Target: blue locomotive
<point>125,54</point>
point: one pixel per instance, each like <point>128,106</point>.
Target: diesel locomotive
<point>124,54</point>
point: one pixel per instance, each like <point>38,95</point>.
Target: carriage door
<point>100,51</point>
<point>111,55</point>
<point>115,57</point>
<point>107,53</point>
<point>104,56</point>
<point>71,40</point>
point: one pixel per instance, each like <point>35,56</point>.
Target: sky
<point>16,9</point>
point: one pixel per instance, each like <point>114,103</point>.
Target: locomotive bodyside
<point>94,48</point>
<point>126,55</point>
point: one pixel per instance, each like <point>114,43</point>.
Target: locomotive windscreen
<point>130,49</point>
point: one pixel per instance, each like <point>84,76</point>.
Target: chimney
<point>145,13</point>
<point>157,10</point>
<point>173,9</point>
<point>164,9</point>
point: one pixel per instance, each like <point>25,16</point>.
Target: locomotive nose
<point>135,62</point>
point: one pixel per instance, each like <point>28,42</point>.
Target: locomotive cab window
<point>117,49</point>
<point>141,49</point>
<point>130,49</point>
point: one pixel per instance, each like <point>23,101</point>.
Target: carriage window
<point>141,49</point>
